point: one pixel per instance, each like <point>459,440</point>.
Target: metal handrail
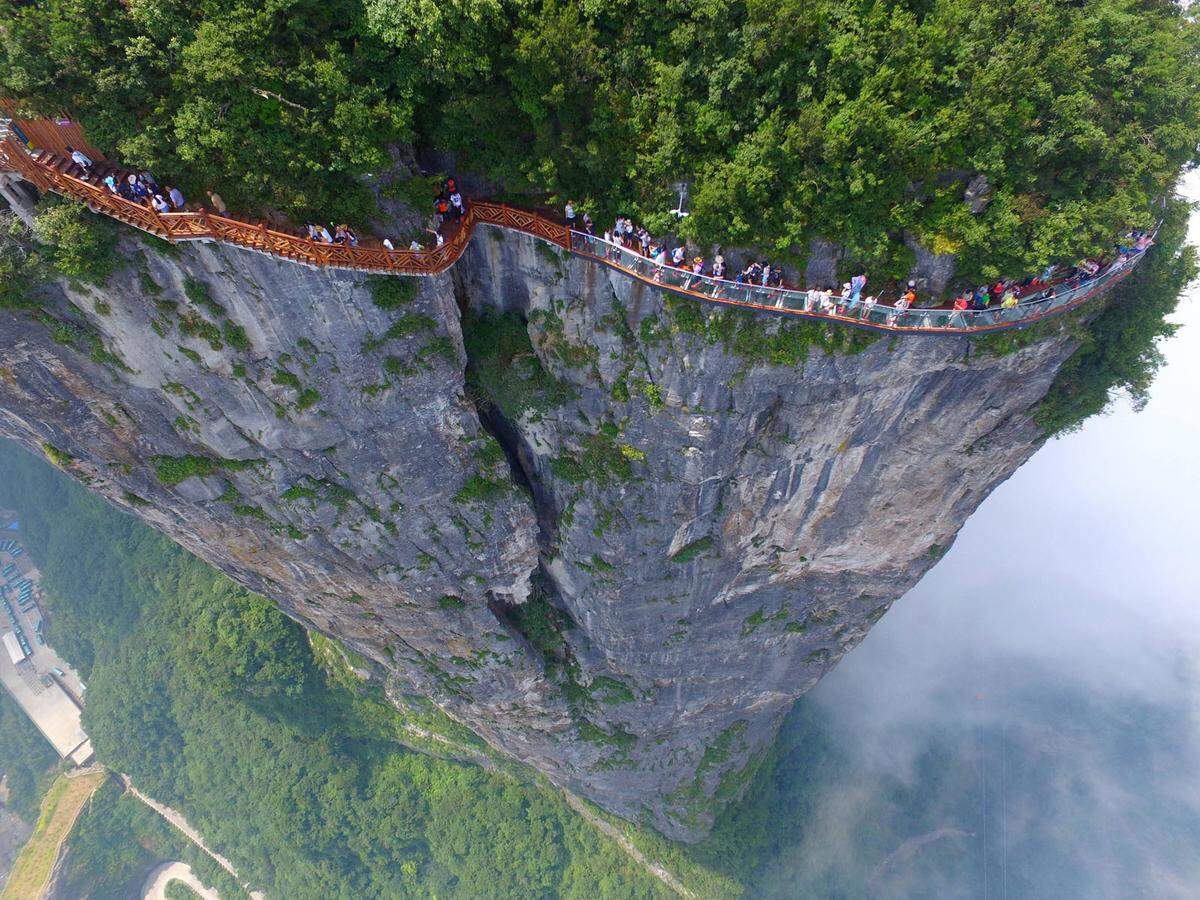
<point>880,316</point>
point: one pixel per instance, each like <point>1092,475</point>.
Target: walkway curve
<point>49,172</point>
<point>155,885</point>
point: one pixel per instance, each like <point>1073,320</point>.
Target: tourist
<point>718,274</point>
<point>437,236</point>
<point>588,227</point>
<point>415,246</point>
<point>111,184</point>
<point>160,204</point>
<point>868,306</point>
<point>958,318</point>
<point>217,204</point>
<point>849,301</point>
<point>696,271</point>
<point>388,245</point>
<point>677,257</point>
<point>827,304</point>
<point>644,240</point>
<point>857,283</point>
<point>441,209</point>
<point>1009,301</point>
<point>898,308</point>
<point>812,299</point>
<point>458,205</point>
<point>176,197</point>
<point>569,212</point>
<point>81,159</point>
<point>139,190</point>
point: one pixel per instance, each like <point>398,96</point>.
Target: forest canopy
<point>858,120</point>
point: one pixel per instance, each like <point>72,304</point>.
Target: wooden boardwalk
<point>49,171</point>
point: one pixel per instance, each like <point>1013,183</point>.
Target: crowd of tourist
<point>762,280</point>
<point>136,187</point>
<point>766,278</point>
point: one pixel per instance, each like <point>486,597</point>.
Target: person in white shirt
<point>415,246</point>
<point>868,305</point>
<point>677,256</point>
<point>569,212</point>
<point>388,245</point>
<point>80,159</point>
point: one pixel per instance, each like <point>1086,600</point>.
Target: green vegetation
<point>118,839</point>
<point>602,459</point>
<point>503,368</point>
<point>542,624</point>
<point>286,378</point>
<point>482,489</point>
<point>60,458</point>
<point>1120,351</point>
<point>236,336</point>
<point>31,871</point>
<point>80,243</point>
<point>23,265</point>
<point>308,397</point>
<point>173,469</point>
<point>765,339</point>
<point>177,890</point>
<point>390,292</point>
<point>696,548</point>
<point>789,119</point>
<point>25,759</point>
<point>193,326</point>
<point>200,294</point>
<point>294,768</point>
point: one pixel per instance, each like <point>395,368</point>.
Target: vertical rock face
<point>690,536</point>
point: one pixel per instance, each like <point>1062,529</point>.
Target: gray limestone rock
<point>978,193</point>
<point>708,531</point>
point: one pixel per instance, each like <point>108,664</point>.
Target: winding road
<point>155,887</point>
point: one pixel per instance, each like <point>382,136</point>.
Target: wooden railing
<point>207,226</point>
<point>49,175</point>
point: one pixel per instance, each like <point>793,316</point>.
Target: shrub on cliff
<point>81,244</point>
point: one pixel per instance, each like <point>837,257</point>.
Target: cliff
<point>614,533</point>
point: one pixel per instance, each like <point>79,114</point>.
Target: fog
<point>1024,723</point>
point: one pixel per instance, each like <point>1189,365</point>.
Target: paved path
<point>155,887</point>
<point>177,820</point>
